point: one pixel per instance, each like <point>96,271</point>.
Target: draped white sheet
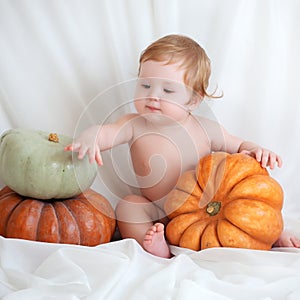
<point>67,64</point>
<point>122,270</point>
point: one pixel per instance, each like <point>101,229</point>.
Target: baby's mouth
<point>152,108</point>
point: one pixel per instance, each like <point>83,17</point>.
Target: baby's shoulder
<point>209,126</point>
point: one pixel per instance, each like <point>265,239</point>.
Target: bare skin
<point>287,239</point>
<point>154,241</point>
<point>165,140</point>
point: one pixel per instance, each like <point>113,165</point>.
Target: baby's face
<point>161,90</point>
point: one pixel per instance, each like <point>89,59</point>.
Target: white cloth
<point>122,270</point>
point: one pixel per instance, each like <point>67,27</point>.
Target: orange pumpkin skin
<point>228,201</point>
<point>87,219</point>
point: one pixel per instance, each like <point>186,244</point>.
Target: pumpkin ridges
<point>68,228</point>
<point>259,188</point>
<point>94,199</point>
<point>232,236</point>
<point>179,202</point>
<point>102,222</point>
<point>53,221</point>
<point>209,237</point>
<point>22,222</point>
<point>177,226</point>
<point>232,173</point>
<point>191,237</point>
<point>88,231</point>
<point>7,206</point>
<point>252,212</point>
<point>207,168</point>
<point>188,183</point>
<point>186,193</point>
<point>48,228</point>
<point>206,171</point>
<point>218,173</point>
<point>100,205</point>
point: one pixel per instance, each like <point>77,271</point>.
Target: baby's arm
<point>266,157</point>
<point>221,140</point>
<point>100,138</point>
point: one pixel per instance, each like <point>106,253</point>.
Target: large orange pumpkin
<point>87,219</point>
<point>228,201</point>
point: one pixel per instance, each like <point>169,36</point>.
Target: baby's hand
<point>87,143</point>
<point>266,157</point>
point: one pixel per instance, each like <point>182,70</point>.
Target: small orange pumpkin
<point>228,201</point>
<point>87,219</point>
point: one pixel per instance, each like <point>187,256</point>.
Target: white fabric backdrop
<point>67,64</point>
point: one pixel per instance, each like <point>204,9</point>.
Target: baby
<point>165,138</point>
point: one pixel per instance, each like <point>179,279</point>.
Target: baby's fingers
<point>82,151</point>
<point>259,156</point>
<point>266,159</point>
<point>73,147</point>
<point>279,161</point>
<point>273,159</point>
<point>68,148</point>
<point>270,159</point>
<point>98,158</point>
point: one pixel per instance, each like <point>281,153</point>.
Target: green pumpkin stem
<point>213,208</point>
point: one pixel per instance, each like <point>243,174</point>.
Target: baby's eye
<point>168,91</point>
<point>146,86</point>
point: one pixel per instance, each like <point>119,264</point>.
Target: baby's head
<point>189,54</point>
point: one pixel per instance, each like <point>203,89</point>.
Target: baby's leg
<point>135,216</point>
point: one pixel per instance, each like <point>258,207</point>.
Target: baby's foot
<point>155,243</point>
<point>287,239</point>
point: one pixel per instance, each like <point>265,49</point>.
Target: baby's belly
<point>159,161</point>
<point>159,176</point>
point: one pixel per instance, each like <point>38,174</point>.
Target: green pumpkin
<point>35,166</point>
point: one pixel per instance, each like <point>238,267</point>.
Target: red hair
<point>189,54</point>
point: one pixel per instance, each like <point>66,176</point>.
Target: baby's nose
<point>154,98</point>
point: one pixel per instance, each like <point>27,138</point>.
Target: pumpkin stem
<point>213,208</point>
<point>53,137</point>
